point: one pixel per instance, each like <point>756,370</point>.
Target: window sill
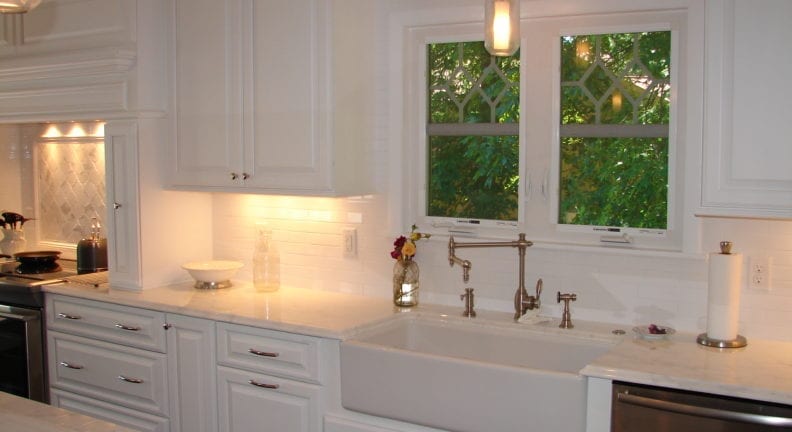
<point>616,250</point>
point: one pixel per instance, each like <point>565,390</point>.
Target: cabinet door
<point>747,156</point>
<point>191,371</point>
<point>252,402</point>
<point>286,68</point>
<point>123,239</point>
<point>208,93</point>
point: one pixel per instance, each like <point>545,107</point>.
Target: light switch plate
<point>349,242</point>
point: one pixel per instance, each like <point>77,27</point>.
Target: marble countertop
<point>296,310</point>
<point>762,370</point>
<point>24,415</point>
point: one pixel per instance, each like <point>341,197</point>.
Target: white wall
<point>616,287</point>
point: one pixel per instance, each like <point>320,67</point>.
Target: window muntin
<point>614,132</point>
<point>472,139</point>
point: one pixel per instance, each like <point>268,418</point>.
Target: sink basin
<point>464,376</point>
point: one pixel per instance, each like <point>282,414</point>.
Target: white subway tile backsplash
<point>619,288</point>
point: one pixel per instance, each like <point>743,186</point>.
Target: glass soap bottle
<point>266,262</point>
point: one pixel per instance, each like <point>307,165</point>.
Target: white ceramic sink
<point>463,376</point>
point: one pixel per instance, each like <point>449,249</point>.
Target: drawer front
<point>134,327</point>
<point>255,402</point>
<point>267,351</point>
<point>121,375</point>
<point>121,416</point>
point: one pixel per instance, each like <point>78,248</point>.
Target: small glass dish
<point>644,333</point>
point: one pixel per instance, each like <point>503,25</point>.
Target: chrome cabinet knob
<point>116,206</point>
<point>245,176</point>
<point>234,176</point>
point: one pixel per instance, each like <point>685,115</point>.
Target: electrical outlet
<point>760,271</point>
<point>350,242</point>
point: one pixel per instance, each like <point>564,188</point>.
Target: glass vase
<point>13,241</point>
<point>405,283</point>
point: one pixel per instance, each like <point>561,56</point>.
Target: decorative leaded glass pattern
<point>614,135</point>
<point>473,110</point>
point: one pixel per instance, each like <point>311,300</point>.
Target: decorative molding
<point>109,61</point>
<point>65,99</point>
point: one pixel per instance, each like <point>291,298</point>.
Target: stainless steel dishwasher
<point>654,409</point>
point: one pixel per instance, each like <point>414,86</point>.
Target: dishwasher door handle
<point>759,419</point>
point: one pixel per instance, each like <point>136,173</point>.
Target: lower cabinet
<point>110,412</point>
<point>256,402</point>
<point>151,371</point>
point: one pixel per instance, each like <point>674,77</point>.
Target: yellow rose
<point>408,249</point>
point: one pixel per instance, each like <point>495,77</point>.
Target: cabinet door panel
<point>119,415</point>
<point>746,155</point>
<point>191,371</point>
<point>286,106</point>
<point>207,92</point>
<point>292,406</point>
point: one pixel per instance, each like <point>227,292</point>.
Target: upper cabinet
<point>84,59</point>
<point>255,99</point>
<point>747,155</point>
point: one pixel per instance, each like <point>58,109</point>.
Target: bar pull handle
<point>758,419</point>
<point>263,385</point>
<point>262,353</point>
<point>127,328</point>
<point>130,380</point>
<point>71,366</point>
<point>69,317</point>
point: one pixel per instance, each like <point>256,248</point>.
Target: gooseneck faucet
<point>522,300</point>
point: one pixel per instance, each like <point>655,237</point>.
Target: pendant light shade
<point>17,6</point>
<point>501,26</point>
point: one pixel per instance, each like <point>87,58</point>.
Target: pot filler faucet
<point>522,301</point>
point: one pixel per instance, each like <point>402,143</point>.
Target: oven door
<point>21,352</point>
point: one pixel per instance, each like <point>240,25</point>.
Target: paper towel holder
<point>737,342</point>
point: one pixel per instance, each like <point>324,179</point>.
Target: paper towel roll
<point>723,306</point>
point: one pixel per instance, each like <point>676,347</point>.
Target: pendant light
<point>502,26</point>
<point>18,6</point>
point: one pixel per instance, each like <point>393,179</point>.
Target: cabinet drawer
<point>267,351</point>
<point>121,375</point>
<point>121,416</point>
<point>255,402</point>
<point>134,327</point>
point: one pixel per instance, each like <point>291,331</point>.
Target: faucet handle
<point>538,292</point>
<point>566,316</point>
<point>468,297</point>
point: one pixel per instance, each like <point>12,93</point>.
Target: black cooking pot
<point>36,262</point>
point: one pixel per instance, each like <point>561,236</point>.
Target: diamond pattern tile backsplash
<point>71,189</point>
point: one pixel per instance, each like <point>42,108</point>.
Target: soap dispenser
<point>92,251</point>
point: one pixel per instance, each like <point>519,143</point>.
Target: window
<point>614,114</point>
<point>471,127</point>
<point>575,140</point>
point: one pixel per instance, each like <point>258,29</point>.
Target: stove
<point>22,356</point>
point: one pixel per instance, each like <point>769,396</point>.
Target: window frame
<point>539,186</point>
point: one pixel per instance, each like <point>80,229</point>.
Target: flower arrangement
<point>404,247</point>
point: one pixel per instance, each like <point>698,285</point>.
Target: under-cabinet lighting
<point>18,6</point>
<point>502,26</point>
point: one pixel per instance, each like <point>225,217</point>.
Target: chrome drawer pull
<point>123,327</point>
<point>130,380</point>
<point>71,366</point>
<point>70,317</point>
<point>267,386</point>
<point>262,353</point>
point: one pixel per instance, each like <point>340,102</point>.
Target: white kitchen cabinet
<point>251,401</point>
<point>123,218</point>
<point>747,157</point>
<point>191,370</point>
<point>254,101</point>
<point>136,367</point>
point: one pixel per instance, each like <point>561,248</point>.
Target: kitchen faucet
<point>522,300</point>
